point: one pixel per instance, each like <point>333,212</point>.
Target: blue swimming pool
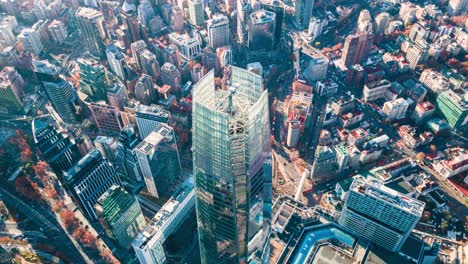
<point>311,238</point>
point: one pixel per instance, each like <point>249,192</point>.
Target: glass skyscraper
<point>231,151</point>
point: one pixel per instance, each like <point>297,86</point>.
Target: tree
<point>85,237</point>
<point>444,225</point>
<point>41,171</point>
<point>28,189</point>
<point>106,254</point>
<point>69,219</point>
<point>420,157</point>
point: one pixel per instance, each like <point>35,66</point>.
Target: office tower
<point>159,160</point>
<point>128,14</point>
<point>57,31</point>
<point>276,7</point>
<point>262,30</point>
<point>189,47</point>
<point>9,56</point>
<point>149,64</point>
<point>177,19</point>
<point>218,31</point>
<point>419,31</point>
<point>125,157</point>
<point>108,9</point>
<point>10,93</point>
<point>170,75</point>
<point>31,41</point>
<point>453,105</point>
<point>145,13</point>
<point>117,95</point>
<point>243,11</point>
<point>107,146</point>
<point>196,12</point>
<point>417,53</point>
<point>107,118</point>
<point>457,7</point>
<point>120,215</point>
<point>117,61</point>
<point>93,78</point>
<point>57,149</point>
<point>90,178</point>
<point>90,22</point>
<point>316,27</point>
<point>356,48</point>
<point>61,94</point>
<point>324,165</point>
<point>137,47</point>
<point>10,75</point>
<point>317,69</point>
<point>149,117</point>
<point>381,22</point>
<point>303,12</point>
<point>231,144</point>
<point>379,214</point>
<point>156,243</point>
<point>144,90</point>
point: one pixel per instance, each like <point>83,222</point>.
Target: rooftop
<point>88,13</point>
<point>374,188</point>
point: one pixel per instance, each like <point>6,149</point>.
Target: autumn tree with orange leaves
<point>69,219</point>
<point>23,147</point>
<point>85,237</point>
<point>28,189</point>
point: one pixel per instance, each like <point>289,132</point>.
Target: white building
<point>149,117</point>
<point>395,109</point>
<point>218,31</point>
<point>148,244</point>
<point>379,214</point>
<point>316,27</point>
<point>57,31</point>
<point>189,47</point>
<point>376,90</point>
<point>31,40</point>
<point>196,12</point>
<point>293,133</point>
<point>117,61</point>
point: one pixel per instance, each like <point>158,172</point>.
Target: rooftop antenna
<point>232,91</point>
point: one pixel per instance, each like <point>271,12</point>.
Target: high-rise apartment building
<point>457,7</point>
<point>116,61</point>
<point>170,75</point>
<point>196,12</point>
<point>379,214</point>
<point>231,147</point>
<point>159,160</point>
<point>262,30</point>
<point>144,90</point>
<point>90,178</point>
<point>7,38</point>
<point>149,117</point>
<point>303,12</point>
<point>61,94</point>
<point>417,53</point>
<point>149,64</point>
<point>137,48</point>
<point>381,22</point>
<point>356,48</point>
<point>177,19</point>
<point>90,22</point>
<point>57,149</point>
<point>57,31</point>
<point>31,40</point>
<point>117,95</point>
<point>125,157</point>
<point>121,215</point>
<point>218,31</point>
